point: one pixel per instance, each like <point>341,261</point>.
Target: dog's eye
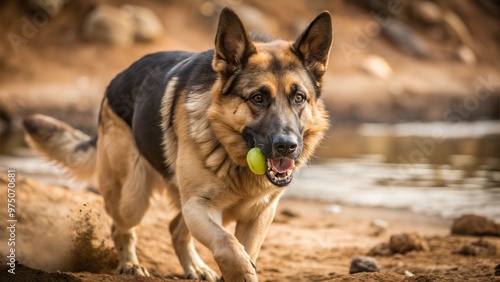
<point>300,98</point>
<point>257,98</point>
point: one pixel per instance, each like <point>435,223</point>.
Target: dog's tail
<point>63,144</point>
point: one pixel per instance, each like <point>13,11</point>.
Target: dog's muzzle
<point>281,153</point>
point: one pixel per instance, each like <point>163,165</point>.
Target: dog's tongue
<point>282,165</point>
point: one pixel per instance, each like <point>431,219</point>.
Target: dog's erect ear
<point>232,44</point>
<point>314,44</point>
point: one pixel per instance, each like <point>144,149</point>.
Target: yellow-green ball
<point>256,161</point>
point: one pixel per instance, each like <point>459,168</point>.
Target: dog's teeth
<point>281,177</point>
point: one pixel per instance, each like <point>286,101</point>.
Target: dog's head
<point>268,94</point>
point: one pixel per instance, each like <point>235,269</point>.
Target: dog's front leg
<point>205,224</point>
<point>251,233</point>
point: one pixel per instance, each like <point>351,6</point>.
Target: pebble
<point>466,55</point>
<point>121,26</point>
<point>147,26</point>
<point>364,264</point>
<point>406,242</point>
<point>382,249</point>
<point>480,247</point>
<point>427,11</point>
<point>51,7</point>
<point>475,225</point>
<point>289,213</point>
<point>109,25</point>
<point>409,274</point>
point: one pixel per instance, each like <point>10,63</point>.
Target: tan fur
<point>237,196</point>
<point>126,182</point>
<point>210,182</point>
<point>59,141</point>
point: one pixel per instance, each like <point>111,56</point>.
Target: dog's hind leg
<point>126,181</point>
<point>126,213</point>
<point>125,246</point>
<point>122,231</point>
<point>194,267</point>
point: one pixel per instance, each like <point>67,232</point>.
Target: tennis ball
<point>256,161</point>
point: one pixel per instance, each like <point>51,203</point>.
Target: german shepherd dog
<point>184,122</point>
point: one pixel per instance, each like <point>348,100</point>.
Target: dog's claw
<point>203,273</point>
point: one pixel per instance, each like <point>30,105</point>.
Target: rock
<point>147,26</point>
<point>406,242</point>
<point>382,249</point>
<point>466,55</point>
<point>480,247</point>
<point>476,225</point>
<point>427,11</point>
<point>497,270</point>
<point>109,25</point>
<point>376,66</point>
<point>364,264</point>
<point>409,274</point>
<point>289,213</point>
<point>51,7</point>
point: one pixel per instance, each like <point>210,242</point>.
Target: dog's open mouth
<point>280,171</point>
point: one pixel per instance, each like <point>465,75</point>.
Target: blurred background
<point>413,87</point>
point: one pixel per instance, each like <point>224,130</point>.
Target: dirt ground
<point>63,235</point>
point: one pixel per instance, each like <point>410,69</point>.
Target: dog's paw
<point>245,278</point>
<point>202,273</point>
<point>133,269</point>
<point>236,267</point>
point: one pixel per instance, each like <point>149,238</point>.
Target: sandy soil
<point>63,235</point>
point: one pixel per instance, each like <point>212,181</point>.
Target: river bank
<point>308,241</point>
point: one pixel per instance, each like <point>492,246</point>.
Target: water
<point>445,169</point>
<point>361,181</point>
<point>371,183</point>
<point>431,168</point>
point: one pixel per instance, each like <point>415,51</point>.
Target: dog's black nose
<point>284,144</point>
